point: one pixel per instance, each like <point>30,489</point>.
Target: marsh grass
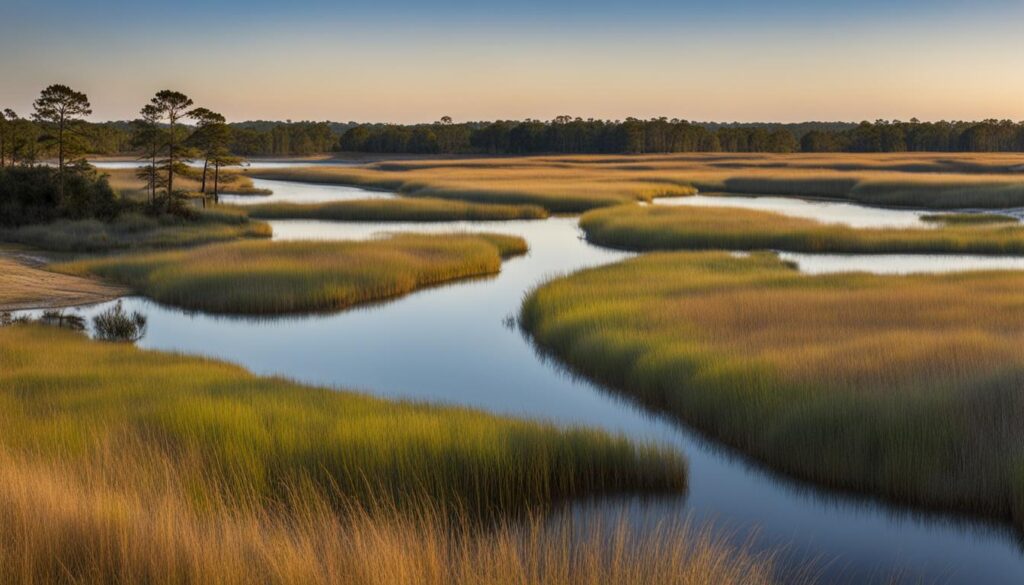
<point>127,185</point>
<point>119,465</point>
<point>556,189</point>
<point>571,184</point>
<point>133,230</point>
<point>294,277</point>
<point>703,228</point>
<point>400,209</point>
<point>905,387</point>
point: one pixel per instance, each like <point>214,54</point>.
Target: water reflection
<point>292,192</point>
<point>831,212</point>
<point>900,263</point>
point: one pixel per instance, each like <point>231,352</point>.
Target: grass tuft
<point>294,277</point>
<point>703,228</point>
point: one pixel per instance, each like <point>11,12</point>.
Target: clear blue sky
<point>416,61</point>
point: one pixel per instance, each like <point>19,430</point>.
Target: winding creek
<point>450,344</point>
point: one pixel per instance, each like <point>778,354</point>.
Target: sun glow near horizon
<point>740,62</point>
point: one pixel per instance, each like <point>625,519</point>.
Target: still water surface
<point>830,212</point>
<point>450,344</point>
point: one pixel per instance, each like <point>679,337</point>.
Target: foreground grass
<point>119,465</point>
<point>400,209</point>
<point>702,228</point>
<point>905,387</point>
<point>579,183</point>
<point>290,277</point>
<point>134,231</point>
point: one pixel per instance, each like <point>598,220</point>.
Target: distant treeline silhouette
<point>567,135</point>
<point>577,136</point>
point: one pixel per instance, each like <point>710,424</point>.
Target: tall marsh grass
<point>703,228</point>
<point>119,465</point>
<point>132,231</point>
<point>572,184</point>
<point>905,387</point>
<point>125,183</point>
<point>291,277</point>
<point>400,209</point>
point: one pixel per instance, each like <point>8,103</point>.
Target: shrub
<point>32,195</point>
<point>115,324</point>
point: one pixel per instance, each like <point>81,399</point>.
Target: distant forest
<point>577,136</point>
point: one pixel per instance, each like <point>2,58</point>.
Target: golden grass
<point>133,231</point>
<point>579,183</point>
<point>119,465</point>
<point>125,183</point>
<point>491,181</point>
<point>399,209</point>
<point>702,228</point>
<point>905,387</point>
<point>291,277</point>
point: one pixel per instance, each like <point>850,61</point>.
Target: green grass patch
<point>400,209</point>
<point>293,277</point>
<point>906,387</point>
<point>67,396</point>
<point>131,230</point>
<point>702,228</point>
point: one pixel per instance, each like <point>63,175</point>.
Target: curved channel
<point>453,344</point>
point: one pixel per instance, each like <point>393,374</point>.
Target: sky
<point>403,61</point>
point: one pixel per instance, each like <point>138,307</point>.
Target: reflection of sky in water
<point>291,192</point>
<point>834,212</point>
<point>900,263</point>
<point>449,344</point>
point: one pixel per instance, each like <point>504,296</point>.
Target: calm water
<point>449,344</point>
<point>900,263</point>
<point>292,192</point>
<point>834,212</point>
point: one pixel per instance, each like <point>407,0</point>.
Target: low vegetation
<point>214,475</point>
<point>398,209</point>
<point>137,230</point>
<point>904,387</point>
<point>290,277</point>
<point>497,181</point>
<point>702,228</point>
<point>116,324</point>
<point>127,183</point>
<point>578,183</point>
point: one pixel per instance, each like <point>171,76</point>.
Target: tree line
<point>661,135</point>
<point>564,134</point>
<point>71,188</point>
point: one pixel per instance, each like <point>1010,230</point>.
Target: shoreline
<point>27,286</point>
